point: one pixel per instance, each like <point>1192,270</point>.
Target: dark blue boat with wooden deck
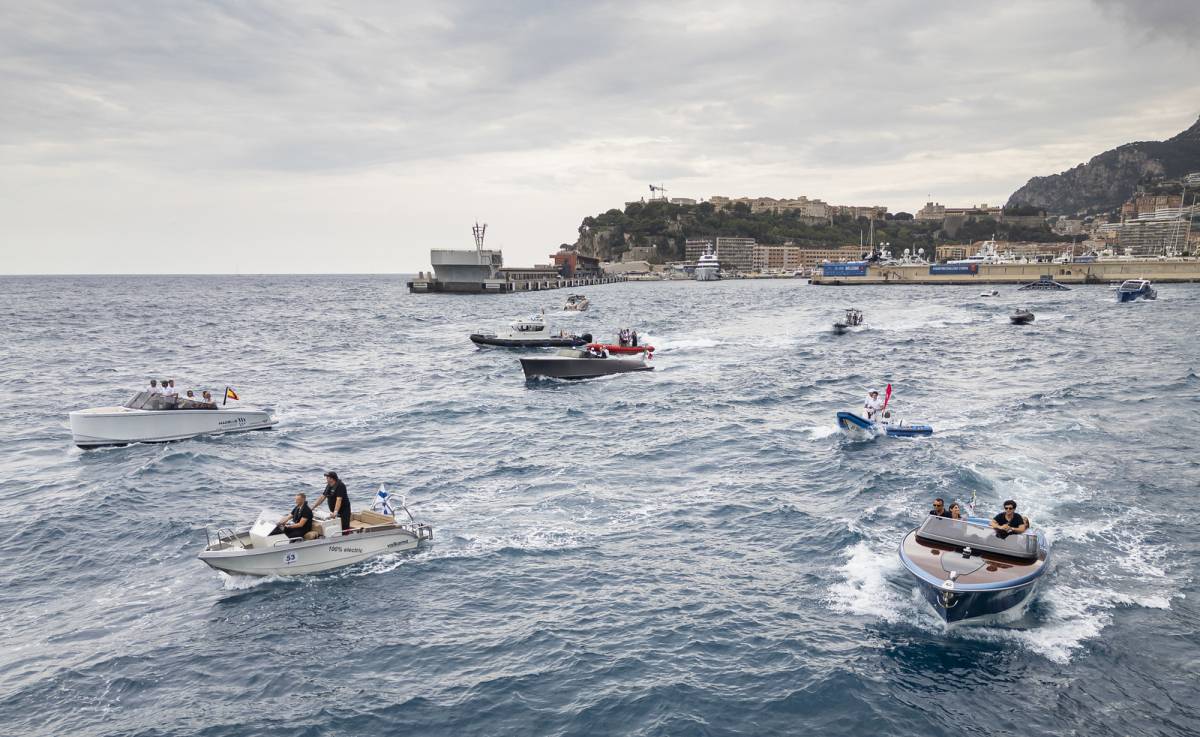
<point>969,572</point>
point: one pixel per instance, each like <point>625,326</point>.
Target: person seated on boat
<point>597,351</point>
<point>296,522</point>
<point>191,395</point>
<point>955,511</point>
<point>338,500</point>
<point>873,405</point>
<point>154,387</point>
<point>939,508</point>
<point>1009,521</point>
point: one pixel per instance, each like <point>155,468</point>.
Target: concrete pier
<point>429,284</point>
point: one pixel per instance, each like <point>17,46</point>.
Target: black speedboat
<point>1021,317</point>
<point>532,332</point>
<point>852,319</point>
<point>968,571</point>
<point>570,363</point>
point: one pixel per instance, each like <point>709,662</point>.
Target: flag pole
<point>225,398</point>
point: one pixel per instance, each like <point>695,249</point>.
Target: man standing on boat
<point>337,499</point>
<point>873,406</point>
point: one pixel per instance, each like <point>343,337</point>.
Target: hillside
<point>666,227</point>
<point>1110,178</point>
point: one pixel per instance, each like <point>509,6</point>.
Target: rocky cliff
<point>1109,179</point>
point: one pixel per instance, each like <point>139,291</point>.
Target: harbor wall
<point>497,286</point>
<point>1097,272</point>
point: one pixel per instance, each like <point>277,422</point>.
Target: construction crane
<point>662,192</point>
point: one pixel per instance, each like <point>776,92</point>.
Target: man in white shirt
<point>874,405</point>
<point>169,388</point>
<point>154,387</point>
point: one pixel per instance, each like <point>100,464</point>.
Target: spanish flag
<point>230,394</point>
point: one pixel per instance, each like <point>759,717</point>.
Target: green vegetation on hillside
<point>666,227</point>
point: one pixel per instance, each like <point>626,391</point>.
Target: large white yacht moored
<point>708,267</point>
<point>257,552</point>
<point>154,418</point>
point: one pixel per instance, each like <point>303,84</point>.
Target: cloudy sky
<point>288,136</point>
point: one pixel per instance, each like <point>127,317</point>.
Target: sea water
<point>693,550</point>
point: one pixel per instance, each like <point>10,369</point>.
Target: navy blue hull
<point>852,424</point>
<point>1135,296</point>
<point>491,340</point>
<point>963,605</point>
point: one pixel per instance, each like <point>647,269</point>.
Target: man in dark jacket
<point>297,522</point>
<point>337,499</point>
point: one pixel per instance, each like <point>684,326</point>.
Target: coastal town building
<point>572,264</point>
<point>938,211</point>
<point>1143,204</point>
<point>694,248</point>
<point>736,254</point>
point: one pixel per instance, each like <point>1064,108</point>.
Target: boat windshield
<point>979,538</point>
<point>158,402</point>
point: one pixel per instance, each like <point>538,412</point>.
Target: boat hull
<point>1021,319</point>
<point>558,367</point>
<point>311,556</point>
<point>92,428</point>
<point>859,427</point>
<point>497,342</point>
<point>1145,294</point>
<point>978,607</point>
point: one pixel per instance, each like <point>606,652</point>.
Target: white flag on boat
<point>383,502</point>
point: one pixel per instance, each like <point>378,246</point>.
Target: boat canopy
<point>961,533</point>
<point>1133,285</point>
<point>158,402</point>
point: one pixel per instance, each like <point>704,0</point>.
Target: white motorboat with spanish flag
<point>155,418</point>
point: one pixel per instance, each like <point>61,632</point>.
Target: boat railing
<point>225,537</point>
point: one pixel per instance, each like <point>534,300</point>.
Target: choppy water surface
<point>689,551</point>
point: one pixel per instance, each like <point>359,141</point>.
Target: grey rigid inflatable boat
<point>570,363</point>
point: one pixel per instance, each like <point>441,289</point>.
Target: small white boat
<point>993,293</point>
<point>256,552</point>
<point>576,303</point>
<point>153,418</point>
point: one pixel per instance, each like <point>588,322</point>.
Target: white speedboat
<point>256,552</point>
<point>708,267</point>
<point>576,303</point>
<point>153,418</point>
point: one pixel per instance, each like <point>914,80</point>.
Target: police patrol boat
<point>860,428</point>
<point>154,418</point>
<point>386,528</point>
<point>531,332</point>
<point>969,572</point>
